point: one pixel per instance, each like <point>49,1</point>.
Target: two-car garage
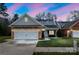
<point>25,30</point>
<point>26,37</point>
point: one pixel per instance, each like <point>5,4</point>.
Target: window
<point>26,19</point>
<point>51,32</point>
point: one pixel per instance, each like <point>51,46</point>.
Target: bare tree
<point>46,16</point>
<point>74,15</point>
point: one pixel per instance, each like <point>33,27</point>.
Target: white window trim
<point>51,32</point>
<point>26,19</point>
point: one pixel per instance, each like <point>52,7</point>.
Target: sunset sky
<point>60,9</point>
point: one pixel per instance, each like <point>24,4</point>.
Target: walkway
<point>53,49</point>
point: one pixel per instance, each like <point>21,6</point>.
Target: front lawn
<point>56,53</point>
<point>4,38</point>
<point>78,42</point>
<point>56,43</point>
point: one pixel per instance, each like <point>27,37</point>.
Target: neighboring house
<point>28,30</point>
<point>69,29</point>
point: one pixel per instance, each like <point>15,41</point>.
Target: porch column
<point>12,35</point>
<point>40,35</point>
<point>46,35</point>
<point>56,33</point>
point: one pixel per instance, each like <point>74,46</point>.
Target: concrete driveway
<point>11,49</point>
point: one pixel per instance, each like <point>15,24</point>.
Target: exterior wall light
<point>43,29</point>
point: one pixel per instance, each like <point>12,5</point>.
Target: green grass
<point>56,53</point>
<point>78,42</point>
<point>56,43</point>
<point>3,38</point>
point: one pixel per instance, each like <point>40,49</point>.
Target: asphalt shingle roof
<point>43,23</point>
<point>30,21</point>
<point>33,22</point>
<point>67,24</point>
<point>49,24</point>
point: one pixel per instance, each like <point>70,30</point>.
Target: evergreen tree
<point>3,9</point>
<point>15,17</point>
<point>4,29</point>
<point>3,21</point>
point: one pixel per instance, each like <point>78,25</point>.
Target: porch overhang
<point>51,28</point>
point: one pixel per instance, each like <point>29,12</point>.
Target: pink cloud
<point>63,17</point>
<point>37,11</point>
<point>36,5</point>
<point>14,7</point>
<point>64,12</point>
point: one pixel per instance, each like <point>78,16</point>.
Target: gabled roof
<point>33,22</point>
<point>49,23</point>
<point>21,22</point>
<point>48,20</point>
<point>67,24</point>
<point>62,24</point>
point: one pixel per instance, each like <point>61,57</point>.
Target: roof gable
<point>29,22</point>
<point>66,24</point>
<point>69,24</point>
<point>75,25</point>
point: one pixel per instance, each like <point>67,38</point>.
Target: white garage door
<point>75,34</point>
<point>26,37</point>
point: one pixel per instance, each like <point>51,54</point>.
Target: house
<point>69,29</point>
<point>29,30</point>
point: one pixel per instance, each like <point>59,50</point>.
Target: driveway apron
<point>11,49</point>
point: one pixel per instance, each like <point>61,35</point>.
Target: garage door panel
<point>75,34</point>
<point>25,35</point>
